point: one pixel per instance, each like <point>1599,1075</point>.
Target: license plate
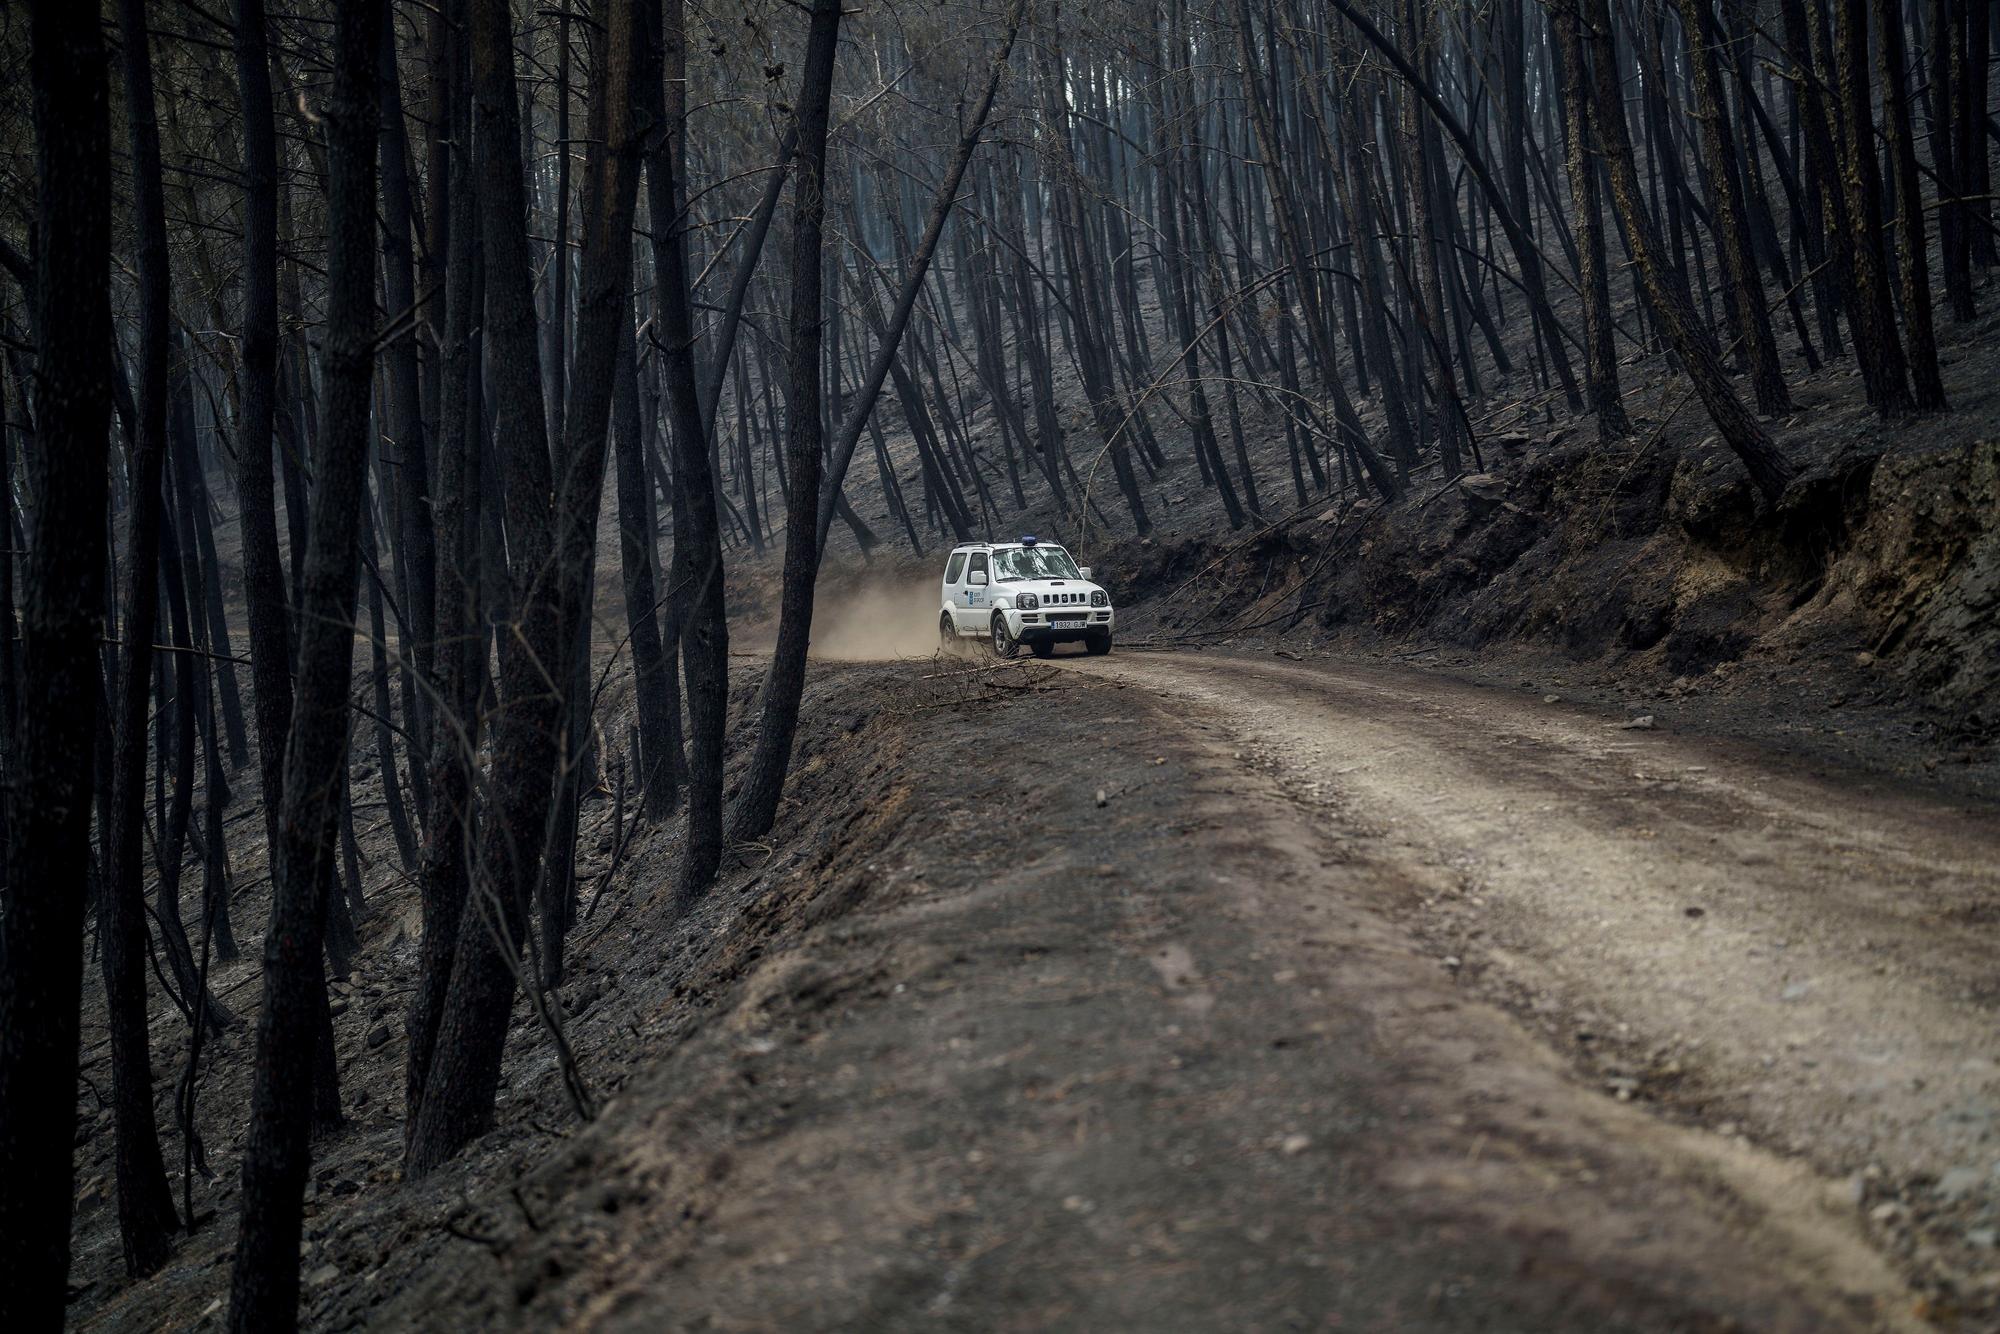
<point>1067,622</point>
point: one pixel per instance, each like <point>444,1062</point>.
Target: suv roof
<point>998,546</point>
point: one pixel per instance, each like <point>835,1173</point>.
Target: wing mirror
<point>976,579</point>
<point>1083,571</point>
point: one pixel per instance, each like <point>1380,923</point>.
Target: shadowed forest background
<point>408,404</point>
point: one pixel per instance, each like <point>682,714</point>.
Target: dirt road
<point>1201,994</point>
<point>1804,959</point>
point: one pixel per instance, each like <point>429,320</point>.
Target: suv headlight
<point>1098,598</point>
<point>1026,602</point>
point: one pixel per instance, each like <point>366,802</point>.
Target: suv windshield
<point>1033,563</point>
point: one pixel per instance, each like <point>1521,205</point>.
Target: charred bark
<point>146,1217</point>
<point>757,802</point>
<point>264,1280</point>
<point>41,936</point>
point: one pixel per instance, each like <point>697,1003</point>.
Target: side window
<point>978,564</point>
<point>957,566</point>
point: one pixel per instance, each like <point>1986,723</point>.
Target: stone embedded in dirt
<point>1483,489</point>
<point>322,1275</point>
<point>1552,699</point>
<point>1102,799</point>
<point>1295,1144</point>
<point>1643,723</point>
<point>1958,1183</point>
<point>377,1036</point>
<point>1693,911</point>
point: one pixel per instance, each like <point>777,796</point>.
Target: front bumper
<point>1040,626</point>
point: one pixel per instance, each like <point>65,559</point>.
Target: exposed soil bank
<point>1874,587</point>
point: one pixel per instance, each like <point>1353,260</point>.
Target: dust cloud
<point>885,618</point>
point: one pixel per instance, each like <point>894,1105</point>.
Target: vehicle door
<point>978,605</point>
<point>954,589</point>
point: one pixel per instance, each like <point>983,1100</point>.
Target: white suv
<point>1025,592</point>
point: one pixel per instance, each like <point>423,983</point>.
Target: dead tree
<point>1767,465</point>
<point>41,960</point>
<point>556,522</point>
<point>695,603</point>
<point>458,1086</point>
<point>1871,315</point>
<point>264,1280</point>
<point>1290,226</point>
<point>146,1217</point>
<point>1600,363</point>
<point>841,451</point>
<point>444,875</point>
<point>264,584</point>
<point>1913,266</point>
<point>1732,237</point>
<point>757,805</point>
<point>410,497</point>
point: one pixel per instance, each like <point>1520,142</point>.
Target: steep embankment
<point>1875,582</point>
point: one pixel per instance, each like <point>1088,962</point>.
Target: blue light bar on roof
<point>1028,539</point>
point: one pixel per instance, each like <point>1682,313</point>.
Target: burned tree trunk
<point>1913,265</point>
<point>1767,465</point>
<point>1600,364</point>
<point>656,695</point>
<point>841,451</point>
<point>464,1070</point>
<point>410,498</point>
<point>146,1217</point>
<point>41,969</point>
<point>551,560</point>
<point>695,592</point>
<point>1732,236</point>
<point>444,874</point>
<point>264,583</point>
<point>757,805</point>
<point>1871,315</point>
<point>1319,331</point>
<point>264,1281</point>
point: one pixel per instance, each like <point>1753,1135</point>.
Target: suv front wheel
<point>1004,644</point>
<point>1097,642</point>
